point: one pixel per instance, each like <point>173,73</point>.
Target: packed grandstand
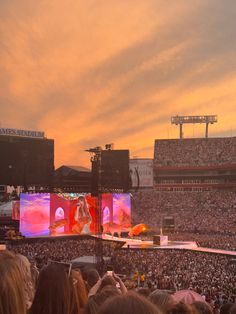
<point>195,184</point>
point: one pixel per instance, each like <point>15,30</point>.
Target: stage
<point>132,243</point>
<point>129,243</point>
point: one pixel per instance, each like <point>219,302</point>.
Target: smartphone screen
<point>2,247</point>
<point>109,270</point>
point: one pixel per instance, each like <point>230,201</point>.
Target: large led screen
<point>116,213</point>
<point>34,214</point>
<point>57,214</point>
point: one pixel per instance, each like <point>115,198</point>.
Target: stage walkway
<point>173,245</point>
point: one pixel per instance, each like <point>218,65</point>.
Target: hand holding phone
<point>109,270</point>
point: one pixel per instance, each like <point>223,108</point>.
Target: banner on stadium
<point>21,133</point>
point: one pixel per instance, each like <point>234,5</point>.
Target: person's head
<point>161,298</point>
<point>128,304</point>
<point>82,201</point>
<point>233,309</point>
<point>225,308</point>
<point>54,293</point>
<point>144,291</point>
<point>202,307</point>
<point>12,299</point>
<point>181,308</point>
<point>92,277</point>
<point>96,301</point>
<point>107,281</point>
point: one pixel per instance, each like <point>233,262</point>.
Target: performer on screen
<point>82,217</point>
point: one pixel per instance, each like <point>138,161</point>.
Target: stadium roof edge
<point>193,138</point>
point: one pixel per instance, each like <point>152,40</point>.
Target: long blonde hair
<point>11,287</point>
<point>25,268</point>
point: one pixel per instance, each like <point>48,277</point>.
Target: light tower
<point>180,120</point>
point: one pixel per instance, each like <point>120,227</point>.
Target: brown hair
<point>144,291</point>
<point>97,300</point>
<point>80,289</point>
<point>11,289</point>
<point>92,277</point>
<point>128,304</point>
<point>202,307</point>
<point>162,298</point>
<point>54,293</point>
<point>181,308</point>
<point>225,308</point>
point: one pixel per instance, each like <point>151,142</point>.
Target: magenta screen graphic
<point>116,212</point>
<point>121,210</point>
<point>34,214</point>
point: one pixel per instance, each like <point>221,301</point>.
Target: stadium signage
<point>21,133</point>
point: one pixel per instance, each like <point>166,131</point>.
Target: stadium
<point>173,227</point>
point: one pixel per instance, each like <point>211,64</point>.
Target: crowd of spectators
<point>210,275</point>
<point>208,217</point>
<point>195,152</point>
<point>63,250</point>
<point>157,274</point>
<point>214,241</point>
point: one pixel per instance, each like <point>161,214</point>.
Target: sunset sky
<point>91,72</point>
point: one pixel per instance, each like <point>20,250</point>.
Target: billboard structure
<point>141,171</point>
<point>180,120</point>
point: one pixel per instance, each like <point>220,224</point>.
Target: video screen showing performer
<point>82,217</point>
<point>77,213</point>
<point>57,214</point>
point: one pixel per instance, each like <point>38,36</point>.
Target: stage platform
<point>129,243</point>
